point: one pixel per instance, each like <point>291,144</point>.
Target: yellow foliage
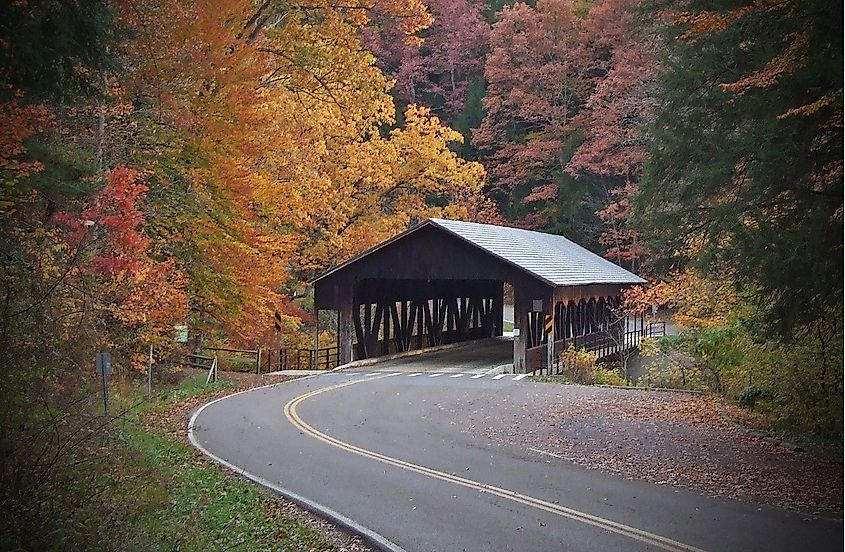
<point>696,300</point>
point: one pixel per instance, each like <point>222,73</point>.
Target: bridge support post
<point>344,330</point>
<point>520,322</point>
<point>499,310</point>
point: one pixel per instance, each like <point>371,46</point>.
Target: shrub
<point>238,364</point>
<point>578,366</point>
<point>603,375</point>
<point>797,385</point>
<point>751,394</point>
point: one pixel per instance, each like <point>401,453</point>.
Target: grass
<point>507,326</point>
<point>192,386</point>
<point>137,489</point>
<point>202,508</point>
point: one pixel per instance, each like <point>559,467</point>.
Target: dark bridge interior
<point>391,316</point>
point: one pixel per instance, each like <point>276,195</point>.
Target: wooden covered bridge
<point>443,282</point>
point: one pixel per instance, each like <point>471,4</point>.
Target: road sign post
<point>104,369</point>
<point>277,340</point>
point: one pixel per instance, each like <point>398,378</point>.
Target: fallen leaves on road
<point>666,438</point>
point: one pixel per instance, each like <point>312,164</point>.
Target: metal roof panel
<point>553,258</point>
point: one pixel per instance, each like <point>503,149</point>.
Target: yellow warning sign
<point>548,324</point>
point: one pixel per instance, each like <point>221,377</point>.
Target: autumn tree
<point>437,67</point>
<point>292,164</point>
<point>744,186</point>
<point>746,162</point>
<point>535,88</point>
<point>569,87</point>
<point>621,48</point>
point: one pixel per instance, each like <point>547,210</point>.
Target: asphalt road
<point>381,448</point>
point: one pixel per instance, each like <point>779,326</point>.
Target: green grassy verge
<point>201,508</point>
<point>140,489</point>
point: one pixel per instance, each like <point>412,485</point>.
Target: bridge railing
<point>605,344</point>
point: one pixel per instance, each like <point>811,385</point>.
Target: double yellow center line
<point>646,537</point>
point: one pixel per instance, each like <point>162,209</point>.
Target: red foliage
<point>135,289</point>
<point>623,244</point>
<point>555,77</point>
<point>444,63</point>
<point>621,99</point>
<point>542,193</point>
<point>19,123</point>
<point>116,220</point>
<point>534,76</point>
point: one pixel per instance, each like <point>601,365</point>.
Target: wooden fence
<point>325,358</point>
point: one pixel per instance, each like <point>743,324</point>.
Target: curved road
<point>381,448</point>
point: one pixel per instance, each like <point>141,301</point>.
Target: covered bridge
<point>443,282</point>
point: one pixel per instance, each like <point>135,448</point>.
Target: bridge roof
<point>552,259</point>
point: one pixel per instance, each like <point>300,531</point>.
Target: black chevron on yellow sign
<point>548,324</point>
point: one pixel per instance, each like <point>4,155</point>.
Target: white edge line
<point>547,453</point>
<point>519,377</point>
<point>325,512</point>
<point>499,376</point>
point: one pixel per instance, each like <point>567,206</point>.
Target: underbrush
<point>793,389</point>
<point>127,488</point>
<point>581,367</point>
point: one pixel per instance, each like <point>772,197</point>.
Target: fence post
<point>212,373</point>
<point>150,375</point>
<point>258,360</point>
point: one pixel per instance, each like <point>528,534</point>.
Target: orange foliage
<point>708,22</point>
<point>20,121</point>
<point>695,300</point>
<point>125,284</point>
<point>286,110</point>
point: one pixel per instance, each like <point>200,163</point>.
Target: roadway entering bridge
<point>382,450</point>
<point>480,357</point>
